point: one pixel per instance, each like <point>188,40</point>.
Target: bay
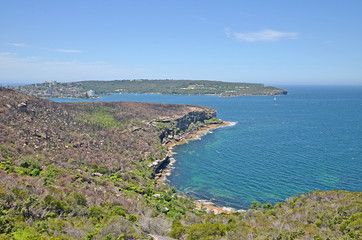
<point>310,139</point>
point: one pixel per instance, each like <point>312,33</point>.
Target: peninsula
<point>89,89</point>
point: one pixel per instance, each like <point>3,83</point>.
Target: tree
<point>255,205</point>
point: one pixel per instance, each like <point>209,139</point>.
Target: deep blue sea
<point>310,139</point>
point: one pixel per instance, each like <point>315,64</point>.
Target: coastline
<point>201,204</point>
<point>190,137</point>
<point>197,135</point>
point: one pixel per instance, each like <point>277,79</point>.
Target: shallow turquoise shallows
<point>310,139</point>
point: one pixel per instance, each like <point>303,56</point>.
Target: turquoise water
<point>310,139</point>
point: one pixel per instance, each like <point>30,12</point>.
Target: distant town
<point>56,89</point>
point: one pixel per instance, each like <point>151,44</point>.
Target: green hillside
<point>184,87</point>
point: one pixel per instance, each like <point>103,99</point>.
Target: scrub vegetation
<point>82,171</point>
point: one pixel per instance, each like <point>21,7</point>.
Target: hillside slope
<point>80,171</point>
<point>67,158</point>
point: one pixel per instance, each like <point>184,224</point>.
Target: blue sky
<point>272,42</point>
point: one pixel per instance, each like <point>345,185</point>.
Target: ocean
<point>310,139</point>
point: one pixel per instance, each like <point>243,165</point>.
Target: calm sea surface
<point>308,140</point>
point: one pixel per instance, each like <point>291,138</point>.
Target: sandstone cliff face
<point>174,128</point>
<point>194,117</point>
<point>178,130</point>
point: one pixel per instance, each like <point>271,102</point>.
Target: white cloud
<point>6,54</point>
<point>44,48</point>
<point>267,35</point>
<point>33,69</point>
<point>68,51</point>
<point>18,44</point>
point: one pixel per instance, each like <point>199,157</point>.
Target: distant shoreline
<point>86,89</point>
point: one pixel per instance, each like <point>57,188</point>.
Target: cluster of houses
<point>56,90</point>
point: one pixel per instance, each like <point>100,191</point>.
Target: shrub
<point>118,210</point>
<point>212,120</point>
<point>80,199</point>
<point>49,175</point>
<point>29,168</point>
<point>167,198</point>
<point>255,205</point>
<point>6,224</point>
<point>54,205</point>
<point>28,233</point>
<point>352,226</point>
<point>132,218</point>
<point>267,206</point>
<point>206,230</point>
<point>96,212</point>
<point>177,229</point>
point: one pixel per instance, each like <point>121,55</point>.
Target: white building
<point>91,93</point>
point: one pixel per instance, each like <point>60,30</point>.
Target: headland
<point>82,171</point>
<point>91,89</point>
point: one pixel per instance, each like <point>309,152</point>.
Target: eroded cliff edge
<point>180,130</point>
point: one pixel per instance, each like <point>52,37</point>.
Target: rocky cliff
<point>174,129</point>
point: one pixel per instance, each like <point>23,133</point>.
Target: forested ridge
<point>82,171</point>
<point>168,87</point>
<point>187,87</point>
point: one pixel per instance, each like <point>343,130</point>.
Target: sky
<point>272,42</point>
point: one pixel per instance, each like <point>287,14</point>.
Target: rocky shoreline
<point>210,207</point>
<point>164,169</point>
